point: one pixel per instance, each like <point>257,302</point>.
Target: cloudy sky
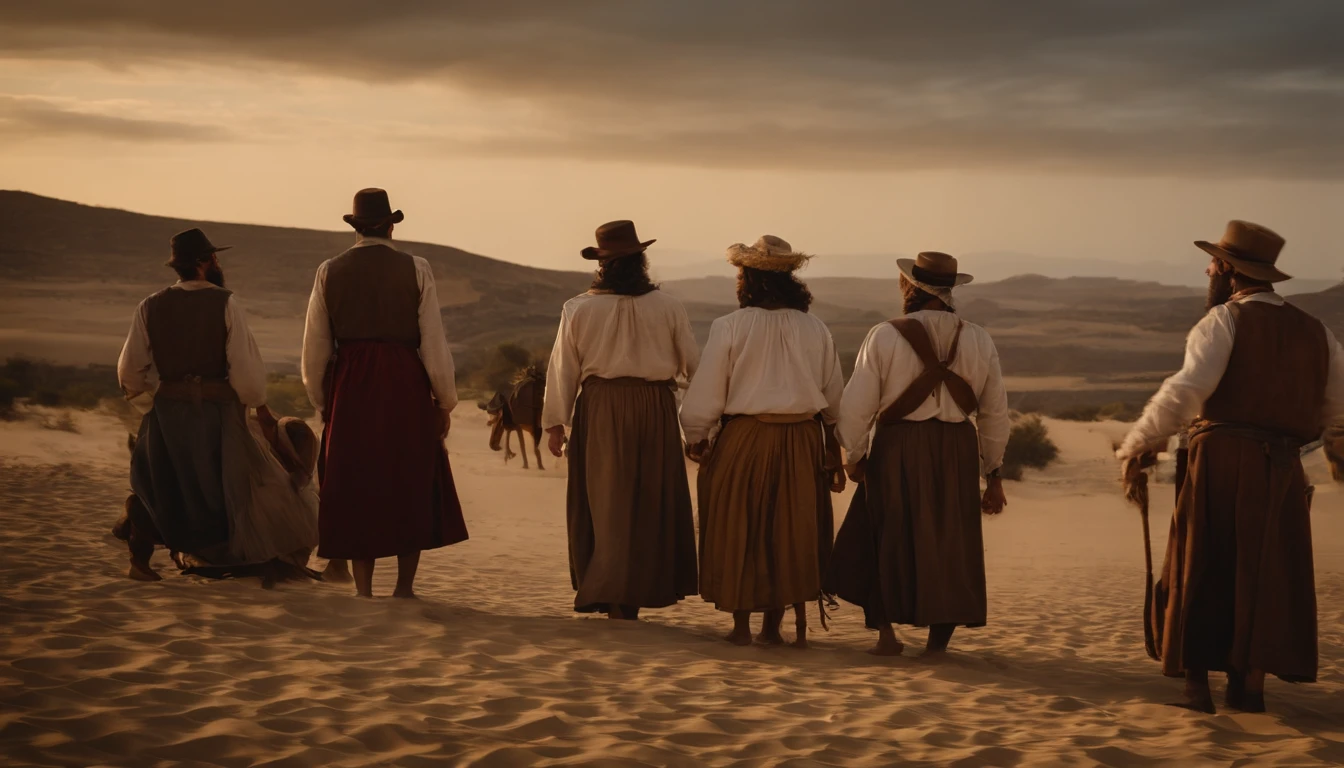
<point>1103,129</point>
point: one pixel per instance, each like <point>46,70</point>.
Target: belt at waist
<point>195,389</point>
<point>628,381</point>
<point>1280,446</point>
<point>394,342</point>
<point>772,418</point>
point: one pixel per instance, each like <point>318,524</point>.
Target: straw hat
<point>297,447</point>
<point>770,253</point>
<point>933,271</point>
<point>1251,249</point>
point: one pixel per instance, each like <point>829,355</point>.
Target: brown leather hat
<point>933,269</point>
<point>372,209</point>
<point>192,246</point>
<point>1251,249</point>
<point>616,239</point>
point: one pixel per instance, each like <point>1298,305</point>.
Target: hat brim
<point>742,255</point>
<point>395,217</point>
<point>603,254</point>
<point>176,259</point>
<point>907,267</point>
<point>1253,269</point>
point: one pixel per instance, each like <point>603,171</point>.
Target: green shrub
<point>1029,445</point>
<point>286,396</point>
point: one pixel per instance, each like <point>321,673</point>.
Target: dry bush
<point>1029,445</point>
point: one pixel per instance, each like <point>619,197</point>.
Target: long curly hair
<point>771,290</point>
<point>624,276</point>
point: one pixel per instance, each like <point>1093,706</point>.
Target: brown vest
<point>372,294</point>
<point>187,333</point>
<point>936,373</point>
<point>1276,376</point>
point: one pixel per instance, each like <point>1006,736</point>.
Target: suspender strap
<point>935,373</point>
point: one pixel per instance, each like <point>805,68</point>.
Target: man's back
<point>372,293</point>
<point>188,332</point>
<point>1276,375</point>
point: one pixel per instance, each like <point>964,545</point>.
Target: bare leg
<point>363,577</point>
<point>522,447</point>
<point>800,624</point>
<point>337,572</point>
<point>406,567</point>
<point>536,445</point>
<point>939,636</point>
<point>770,623</point>
<point>1197,696</point>
<point>887,642</point>
<point>741,634</point>
<point>1253,693</point>
<point>139,542</point>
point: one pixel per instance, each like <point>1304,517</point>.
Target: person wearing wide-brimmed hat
<point>769,383</point>
<point>621,350</point>
<point>377,367</point>
<point>924,415</point>
<point>203,478</point>
<point>1261,379</point>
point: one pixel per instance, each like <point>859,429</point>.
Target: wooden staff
<point>1137,492</point>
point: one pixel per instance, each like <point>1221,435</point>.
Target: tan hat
<point>297,447</point>
<point>769,253</point>
<point>1251,249</point>
<point>933,270</point>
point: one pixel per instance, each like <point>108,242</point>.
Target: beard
<point>215,275</point>
<point>1220,290</point>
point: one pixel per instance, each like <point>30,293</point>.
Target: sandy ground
<point>492,667</point>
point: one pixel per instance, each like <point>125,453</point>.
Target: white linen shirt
<point>247,373</point>
<point>318,346</point>
<point>763,361</point>
<point>887,365</point>
<point>603,334</point>
<point>1207,351</point>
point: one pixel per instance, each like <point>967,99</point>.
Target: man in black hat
<point>189,344</point>
<point>377,367</point>
<point>1261,379</point>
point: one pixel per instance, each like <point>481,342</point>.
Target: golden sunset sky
<point>1097,129</point>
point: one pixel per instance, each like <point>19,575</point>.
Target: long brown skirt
<point>1238,584</point>
<point>910,550</point>
<point>631,525</point>
<point>763,502</point>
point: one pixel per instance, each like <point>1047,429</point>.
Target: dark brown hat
<point>192,246</point>
<point>372,209</point>
<point>1251,249</point>
<point>616,239</point>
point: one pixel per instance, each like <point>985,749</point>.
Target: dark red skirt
<point>387,488</point>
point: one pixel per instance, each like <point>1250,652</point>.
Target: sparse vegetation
<point>1117,411</point>
<point>56,386</point>
<point>481,372</point>
<point>286,396</point>
<point>1029,445</point>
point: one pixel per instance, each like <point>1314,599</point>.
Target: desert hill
<point>71,274</point>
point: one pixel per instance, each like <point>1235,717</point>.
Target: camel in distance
<point>517,409</point>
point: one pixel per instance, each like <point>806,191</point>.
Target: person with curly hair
<point>619,354</point>
<point>769,384</point>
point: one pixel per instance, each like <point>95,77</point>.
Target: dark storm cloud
<point>1241,87</point>
<point>29,118</point>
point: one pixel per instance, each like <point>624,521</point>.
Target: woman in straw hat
<point>769,380</point>
<point>618,355</point>
<point>924,414</point>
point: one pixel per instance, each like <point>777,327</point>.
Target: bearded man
<point>205,486</point>
<point>910,549</point>
<point>1261,379</point>
<point>377,368</point>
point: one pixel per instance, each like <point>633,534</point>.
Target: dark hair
<point>915,298</point>
<point>383,230</point>
<point>771,290</point>
<point>186,268</point>
<point>624,276</point>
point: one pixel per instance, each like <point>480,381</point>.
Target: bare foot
<point>405,594</point>
<point>885,647</point>
<point>337,572</point>
<point>770,636</point>
<point>367,595</point>
<point>739,637</point>
<point>801,642</point>
<point>142,572</point>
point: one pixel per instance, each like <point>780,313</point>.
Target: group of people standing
<point>765,413</point>
<point>767,416</point>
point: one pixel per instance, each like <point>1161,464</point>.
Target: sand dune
<point>492,667</point>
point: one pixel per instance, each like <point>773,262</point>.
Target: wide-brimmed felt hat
<point>1251,249</point>
<point>933,270</point>
<point>614,240</point>
<point>192,246</point>
<point>372,209</point>
<point>769,253</point>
